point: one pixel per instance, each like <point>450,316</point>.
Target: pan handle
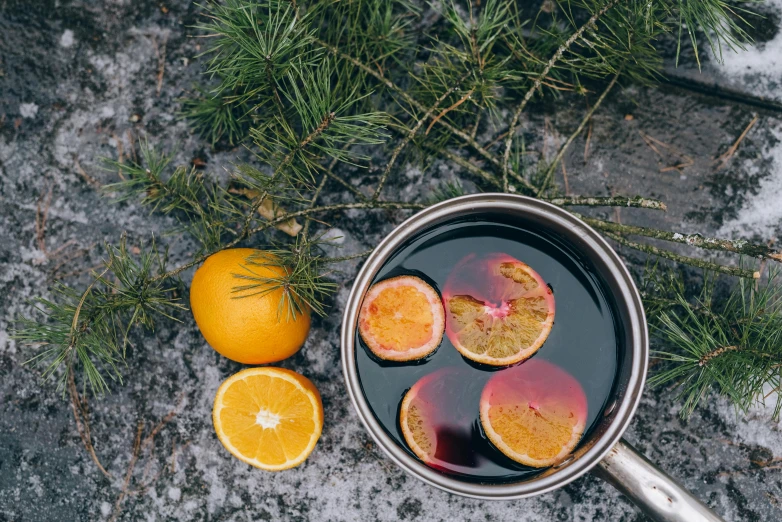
<point>655,493</point>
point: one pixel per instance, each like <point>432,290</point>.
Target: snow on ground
<point>762,214</point>
<point>760,65</point>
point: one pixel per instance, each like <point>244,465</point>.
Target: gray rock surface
<point>78,81</point>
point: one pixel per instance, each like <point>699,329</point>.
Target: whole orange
<point>247,324</point>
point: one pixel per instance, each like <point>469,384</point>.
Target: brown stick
<point>588,140</point>
<point>651,141</point>
<point>120,155</point>
<point>722,160</point>
<point>129,473</point>
<point>82,423</point>
<point>715,353</point>
<point>41,217</point>
<point>86,177</point>
<point>160,51</point>
<point>449,109</point>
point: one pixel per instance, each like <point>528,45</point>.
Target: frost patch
<point>67,39</point>
<point>760,66</point>
<point>756,427</point>
<point>762,214</point>
<point>413,172</point>
<point>5,345</point>
<point>174,494</point>
<point>28,110</point>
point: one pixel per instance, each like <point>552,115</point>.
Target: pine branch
<point>473,169</point>
<point>303,285</point>
<point>613,201</point>
<point>734,347</point>
<point>92,328</point>
<point>705,265</point>
<point>739,246</point>
<point>466,138</point>
<point>411,133</point>
<point>553,165</point>
<point>539,79</point>
<point>368,205</point>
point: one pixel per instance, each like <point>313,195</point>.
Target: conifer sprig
<point>733,345</point>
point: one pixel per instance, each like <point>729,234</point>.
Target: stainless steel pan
<point>603,452</point>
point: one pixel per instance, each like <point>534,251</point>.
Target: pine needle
<point>732,346</point>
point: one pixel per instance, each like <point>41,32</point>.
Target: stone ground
<point>78,81</point>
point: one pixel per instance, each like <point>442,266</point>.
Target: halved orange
<point>499,310</point>
<point>402,319</point>
<point>268,417</point>
<point>534,413</point>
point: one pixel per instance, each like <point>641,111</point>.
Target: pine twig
<point>715,353</point>
<point>79,307</point>
<point>82,423</point>
<point>129,473</point>
<point>700,263</point>
<point>539,79</point>
<point>732,344</point>
<point>550,171</point>
<point>41,217</point>
<point>452,107</point>
<point>723,159</point>
<point>324,124</point>
<point>86,177</point>
<point>613,201</point>
<point>411,133</point>
<point>473,169</point>
<point>466,138</point>
<point>329,171</point>
<point>740,246</point>
<point>365,253</point>
<point>315,197</point>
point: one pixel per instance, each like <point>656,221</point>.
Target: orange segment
<point>534,413</point>
<point>499,310</point>
<point>269,418</point>
<point>402,319</point>
<point>416,419</point>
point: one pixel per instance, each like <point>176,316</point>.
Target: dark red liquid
<point>583,341</point>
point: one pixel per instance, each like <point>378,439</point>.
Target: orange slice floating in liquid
<point>499,311</point>
<point>402,319</point>
<point>415,421</point>
<point>425,409</point>
<point>534,413</point>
